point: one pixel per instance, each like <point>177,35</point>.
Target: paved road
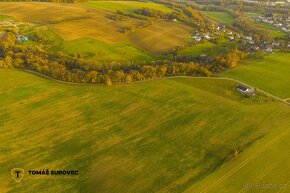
<point>222,78</point>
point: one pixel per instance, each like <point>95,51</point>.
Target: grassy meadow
<point>220,17</point>
<point>95,49</point>
<point>265,162</point>
<point>158,136</point>
<point>273,30</point>
<point>3,17</point>
<point>270,73</point>
<point>206,48</point>
<point>252,14</point>
<point>126,6</point>
<point>160,38</point>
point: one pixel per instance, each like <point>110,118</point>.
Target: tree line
<point>184,14</point>
<point>73,69</point>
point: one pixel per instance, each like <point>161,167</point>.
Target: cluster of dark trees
<point>195,18</point>
<point>117,17</point>
<point>184,14</point>
<point>72,69</point>
<point>215,63</point>
<point>242,23</point>
<point>247,25</point>
<point>133,28</point>
<point>230,59</point>
<point>152,13</point>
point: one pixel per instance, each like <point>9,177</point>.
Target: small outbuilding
<point>245,90</point>
<point>21,39</point>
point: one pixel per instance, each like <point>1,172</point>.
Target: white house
<point>245,90</point>
<point>206,36</point>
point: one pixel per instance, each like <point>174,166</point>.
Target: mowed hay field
<point>220,17</point>
<point>155,136</point>
<point>159,37</point>
<point>273,30</point>
<point>206,48</point>
<point>270,73</point>
<point>105,52</point>
<point>70,21</point>
<point>73,22</point>
<point>127,6</point>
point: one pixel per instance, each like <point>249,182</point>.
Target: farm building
<point>269,49</point>
<point>21,39</point>
<point>245,90</point>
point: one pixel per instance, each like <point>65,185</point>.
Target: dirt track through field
<point>246,161</point>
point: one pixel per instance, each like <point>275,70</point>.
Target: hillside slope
<point>162,135</point>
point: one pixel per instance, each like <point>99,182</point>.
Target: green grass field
<point>252,14</point>
<point>265,162</point>
<point>158,136</point>
<point>126,6</point>
<point>198,49</point>
<point>96,50</point>
<point>220,17</point>
<point>159,38</point>
<point>270,73</point>
<point>52,40</point>
<point>206,48</point>
<point>274,31</point>
<point>90,48</point>
<point>3,17</point>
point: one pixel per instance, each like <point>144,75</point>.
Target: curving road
<point>172,77</point>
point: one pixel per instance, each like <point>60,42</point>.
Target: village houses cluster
<point>277,21</point>
<point>220,31</point>
<point>281,3</point>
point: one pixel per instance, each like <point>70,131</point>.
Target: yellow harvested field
<point>162,36</point>
<point>44,13</point>
<point>103,30</point>
<point>70,21</point>
<point>75,21</point>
